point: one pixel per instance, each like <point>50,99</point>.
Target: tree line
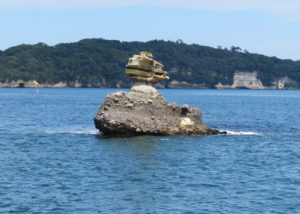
<point>100,62</point>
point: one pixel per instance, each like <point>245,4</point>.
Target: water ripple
<point>54,161</point>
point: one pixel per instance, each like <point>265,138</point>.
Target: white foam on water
<point>240,133</point>
<point>88,132</point>
<point>94,132</point>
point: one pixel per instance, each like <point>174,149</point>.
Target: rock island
<point>143,110</point>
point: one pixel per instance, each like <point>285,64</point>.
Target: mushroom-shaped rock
<point>143,111</point>
<point>143,68</point>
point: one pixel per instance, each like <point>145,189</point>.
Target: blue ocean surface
<point>53,160</point>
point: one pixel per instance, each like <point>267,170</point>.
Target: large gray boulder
<point>143,111</point>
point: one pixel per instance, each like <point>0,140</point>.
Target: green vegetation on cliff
<point>100,63</point>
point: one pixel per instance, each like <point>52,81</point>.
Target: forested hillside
<point>100,63</point>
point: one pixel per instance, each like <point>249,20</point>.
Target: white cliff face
<point>250,80</point>
<point>247,80</point>
<point>285,82</point>
<point>243,80</point>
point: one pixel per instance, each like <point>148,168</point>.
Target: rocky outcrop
<point>285,83</point>
<point>35,84</point>
<point>31,84</point>
<point>184,84</point>
<point>248,80</point>
<point>143,111</point>
<point>13,84</point>
<point>143,68</point>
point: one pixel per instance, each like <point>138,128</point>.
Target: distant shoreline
<point>227,89</point>
<point>241,80</point>
<point>99,63</point>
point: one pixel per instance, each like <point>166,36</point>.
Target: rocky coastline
<point>241,80</point>
<point>36,84</point>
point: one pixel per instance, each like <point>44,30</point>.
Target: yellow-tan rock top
<point>143,68</point>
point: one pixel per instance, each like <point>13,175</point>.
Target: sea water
<point>53,160</point>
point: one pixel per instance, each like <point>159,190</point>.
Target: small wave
<point>241,133</point>
<point>88,132</point>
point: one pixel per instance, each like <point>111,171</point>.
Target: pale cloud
<point>281,7</point>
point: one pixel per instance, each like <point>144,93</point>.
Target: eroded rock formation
<point>143,68</point>
<point>250,80</point>
<point>247,80</point>
<point>143,111</point>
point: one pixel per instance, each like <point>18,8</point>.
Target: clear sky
<point>270,27</point>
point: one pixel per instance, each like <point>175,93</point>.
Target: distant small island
<point>99,63</point>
